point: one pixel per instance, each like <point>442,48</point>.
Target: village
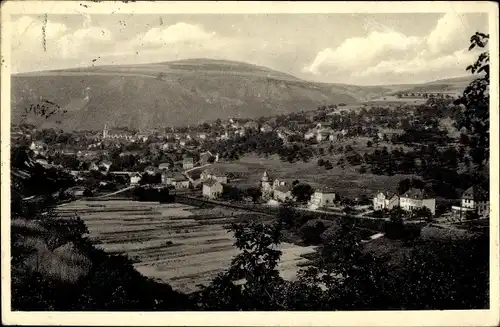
<point>199,160</point>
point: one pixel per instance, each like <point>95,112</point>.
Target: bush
<point>311,231</point>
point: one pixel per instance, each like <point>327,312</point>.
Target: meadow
<point>347,182</point>
<point>177,244</point>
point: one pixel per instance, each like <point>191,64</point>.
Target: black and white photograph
<point>251,159</point>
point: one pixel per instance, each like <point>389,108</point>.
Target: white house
<point>322,197</point>
<point>385,200</point>
<point>416,198</point>
<point>212,189</point>
<point>163,166</point>
<point>150,170</point>
<point>135,178</point>
<point>282,193</point>
<point>38,147</point>
<point>474,199</point>
<point>187,163</point>
<point>309,135</point>
<point>266,128</point>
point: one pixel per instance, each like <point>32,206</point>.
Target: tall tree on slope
<point>475,99</point>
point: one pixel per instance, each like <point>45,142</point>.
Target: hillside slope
<point>166,94</point>
<point>171,93</point>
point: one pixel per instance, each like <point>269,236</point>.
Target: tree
<point>475,101</point>
<point>256,266</point>
<point>255,193</point>
<point>312,230</point>
<point>231,193</point>
<point>423,212</point>
<point>405,184</point>
<point>302,192</point>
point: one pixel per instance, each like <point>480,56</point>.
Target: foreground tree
<point>475,100</point>
<point>252,281</point>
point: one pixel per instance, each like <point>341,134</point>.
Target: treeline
<point>267,143</point>
<point>161,195</point>
<point>346,275</point>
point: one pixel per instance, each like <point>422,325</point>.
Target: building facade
<point>187,163</point>
<point>135,178</point>
<point>322,198</point>
<point>212,189</point>
<point>385,200</point>
<point>266,186</point>
<point>474,200</point>
<point>416,198</point>
<point>282,193</point>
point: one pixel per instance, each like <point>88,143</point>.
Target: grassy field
<point>176,244</point>
<point>347,182</point>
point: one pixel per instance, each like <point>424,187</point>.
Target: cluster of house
<point>474,200</point>
<point>38,147</point>
<point>321,133</point>
<point>409,201</point>
<point>281,191</point>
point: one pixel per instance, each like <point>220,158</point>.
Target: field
<point>173,243</point>
<point>347,182</point>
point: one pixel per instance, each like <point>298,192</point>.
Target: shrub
<point>311,231</point>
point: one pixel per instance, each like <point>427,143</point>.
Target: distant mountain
<point>172,93</point>
<point>448,85</point>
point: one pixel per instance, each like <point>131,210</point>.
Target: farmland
<point>176,244</point>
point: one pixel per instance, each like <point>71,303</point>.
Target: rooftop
<point>388,194</point>
<point>211,182</point>
<point>324,189</point>
<point>475,193</point>
<point>415,193</point>
<point>283,188</point>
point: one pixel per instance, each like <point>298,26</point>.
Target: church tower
<point>266,187</point>
<point>105,132</point>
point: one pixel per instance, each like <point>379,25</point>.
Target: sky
<point>363,49</point>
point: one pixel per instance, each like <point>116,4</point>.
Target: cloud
<point>419,68</point>
<point>176,33</point>
<point>37,41</point>
<point>362,51</point>
<point>30,31</point>
<point>388,53</point>
<point>450,32</point>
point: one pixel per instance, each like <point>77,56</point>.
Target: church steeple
<point>265,177</point>
<point>105,131</point>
